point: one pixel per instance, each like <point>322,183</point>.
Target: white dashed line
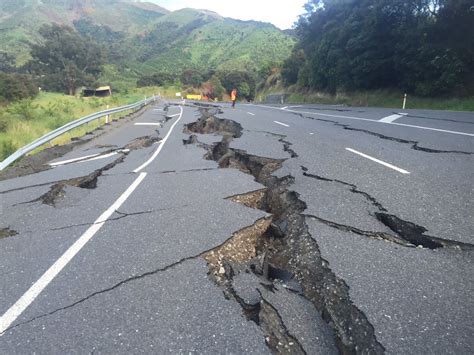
<point>378,161</point>
<point>283,124</point>
<point>29,296</point>
<point>250,113</point>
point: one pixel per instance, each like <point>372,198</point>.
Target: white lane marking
<point>175,115</point>
<point>101,157</point>
<point>311,134</point>
<point>158,150</point>
<point>250,113</point>
<point>29,296</point>
<point>378,161</point>
<point>283,124</point>
<point>391,118</point>
<point>393,123</point>
<point>89,158</point>
<point>284,108</point>
<point>375,121</point>
<point>147,124</point>
<point>73,160</point>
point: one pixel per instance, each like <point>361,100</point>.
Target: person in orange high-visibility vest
<point>233,97</point>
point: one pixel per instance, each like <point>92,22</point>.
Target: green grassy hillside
<point>21,19</point>
<point>142,38</point>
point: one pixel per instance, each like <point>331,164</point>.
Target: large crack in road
<point>406,233</point>
<point>285,252</point>
<point>414,144</point>
<point>57,190</point>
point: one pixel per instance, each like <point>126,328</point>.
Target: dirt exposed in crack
<point>251,199</point>
<point>7,232</point>
<point>209,124</point>
<point>287,247</point>
<point>142,142</point>
<point>57,193</point>
<point>240,248</point>
<point>414,144</point>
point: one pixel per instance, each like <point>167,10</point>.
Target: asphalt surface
<point>139,283</point>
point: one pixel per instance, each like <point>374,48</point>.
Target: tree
<point>423,46</point>
<point>243,81</point>
<point>15,87</point>
<point>191,77</point>
<point>7,62</point>
<point>157,79</point>
<point>65,60</point>
<point>291,67</point>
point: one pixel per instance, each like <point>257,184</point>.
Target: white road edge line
<point>87,158</point>
<point>29,296</point>
<point>73,160</point>
<point>378,161</point>
<point>283,124</point>
<point>158,150</point>
<point>99,157</point>
<point>147,124</point>
<point>250,113</point>
<point>391,118</point>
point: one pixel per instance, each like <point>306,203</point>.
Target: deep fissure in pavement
<point>57,191</point>
<point>7,232</point>
<point>284,252</point>
<point>406,233</point>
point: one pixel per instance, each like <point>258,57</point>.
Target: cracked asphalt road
<point>140,283</point>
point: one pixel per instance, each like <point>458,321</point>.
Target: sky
<point>282,13</point>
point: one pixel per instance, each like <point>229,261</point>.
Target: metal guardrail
<point>67,127</point>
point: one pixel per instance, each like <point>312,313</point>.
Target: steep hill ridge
<point>142,38</point>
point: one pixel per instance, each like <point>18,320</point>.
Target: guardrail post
<point>106,117</point>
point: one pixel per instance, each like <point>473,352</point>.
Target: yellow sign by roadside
<point>194,97</point>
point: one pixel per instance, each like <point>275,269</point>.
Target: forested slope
<point>425,47</point>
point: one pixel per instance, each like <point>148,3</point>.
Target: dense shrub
<point>422,46</point>
<point>15,87</point>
